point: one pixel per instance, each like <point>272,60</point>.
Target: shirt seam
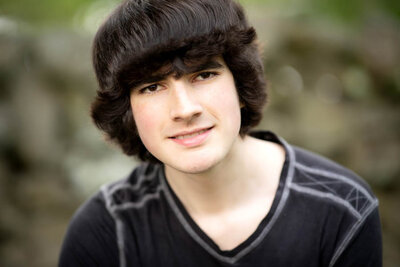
<point>351,233</point>
<point>118,225</point>
<point>360,215</point>
<point>138,204</point>
<point>110,189</point>
<point>330,196</point>
<point>336,176</point>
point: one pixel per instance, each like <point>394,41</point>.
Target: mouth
<point>192,138</point>
<point>190,134</point>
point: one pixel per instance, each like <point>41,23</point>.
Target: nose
<point>184,105</point>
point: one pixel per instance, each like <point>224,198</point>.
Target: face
<point>190,123</point>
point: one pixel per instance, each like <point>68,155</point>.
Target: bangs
<point>181,56</point>
<point>177,69</point>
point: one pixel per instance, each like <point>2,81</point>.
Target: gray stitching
<point>364,206</point>
<point>120,242</point>
<point>126,185</point>
<point>107,191</point>
<point>349,194</point>
<point>336,176</point>
<point>139,204</point>
<point>316,182</point>
<point>326,195</point>
<point>118,226</point>
<point>104,191</point>
<point>351,233</point>
<point>356,198</point>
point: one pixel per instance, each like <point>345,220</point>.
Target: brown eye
<point>150,89</point>
<point>205,75</point>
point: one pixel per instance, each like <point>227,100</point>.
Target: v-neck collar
<point>233,255</point>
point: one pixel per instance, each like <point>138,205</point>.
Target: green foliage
<point>44,12</point>
<point>63,11</point>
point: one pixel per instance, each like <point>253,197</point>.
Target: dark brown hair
<point>141,36</point>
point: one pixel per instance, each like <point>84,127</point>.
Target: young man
<point>181,84</point>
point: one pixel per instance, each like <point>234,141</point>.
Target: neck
<point>251,170</point>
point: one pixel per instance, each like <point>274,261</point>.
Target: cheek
<point>229,108</point>
<point>234,115</point>
<point>145,121</point>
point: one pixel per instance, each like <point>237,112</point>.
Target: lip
<point>193,138</point>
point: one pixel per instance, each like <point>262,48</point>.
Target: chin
<point>195,166</point>
<point>193,169</point>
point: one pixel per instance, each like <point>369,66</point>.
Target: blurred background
<point>333,71</point>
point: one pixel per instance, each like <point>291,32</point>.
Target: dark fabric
<point>91,239</point>
<point>322,215</point>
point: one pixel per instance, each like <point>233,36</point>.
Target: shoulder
<point>90,238</point>
<point>315,176</point>
<point>349,205</point>
<point>323,178</point>
<point>93,235</point>
<point>134,191</point>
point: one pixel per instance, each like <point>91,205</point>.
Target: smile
<point>190,135</point>
<point>193,138</point>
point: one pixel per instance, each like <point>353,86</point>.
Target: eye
<point>205,76</point>
<point>150,89</point>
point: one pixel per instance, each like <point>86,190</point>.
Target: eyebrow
<point>211,64</point>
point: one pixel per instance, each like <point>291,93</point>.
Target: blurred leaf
<point>43,11</point>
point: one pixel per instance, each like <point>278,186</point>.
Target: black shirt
<point>322,215</point>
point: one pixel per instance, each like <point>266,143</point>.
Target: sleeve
<point>90,239</point>
<point>365,248</point>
